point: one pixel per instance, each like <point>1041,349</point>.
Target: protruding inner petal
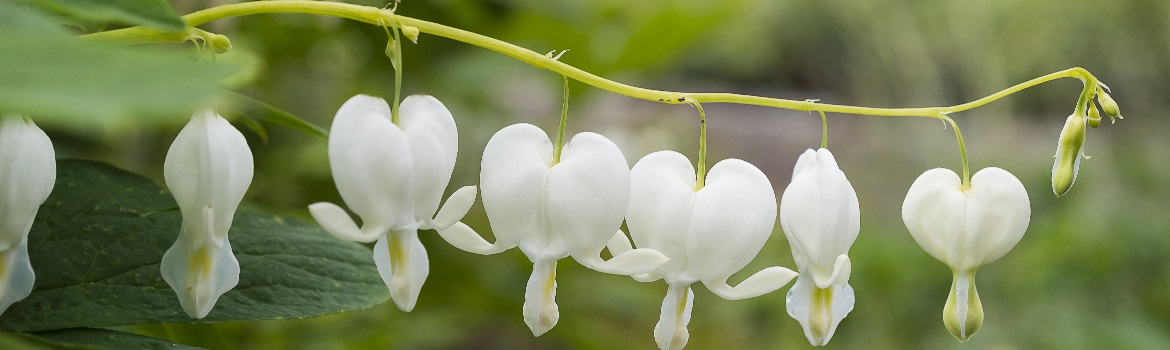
<point>16,275</point>
<point>671,331</point>
<point>402,262</point>
<point>763,282</point>
<point>200,274</point>
<point>963,313</point>
<point>338,223</point>
<point>819,310</point>
<point>463,237</point>
<point>456,207</point>
<point>540,305</point>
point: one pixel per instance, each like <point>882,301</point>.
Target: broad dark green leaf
<point>65,82</point>
<point>97,241</point>
<point>105,339</point>
<point>152,13</point>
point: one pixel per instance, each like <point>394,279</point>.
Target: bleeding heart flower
<point>28,169</point>
<point>966,228</point>
<point>208,168</point>
<point>708,233</point>
<point>393,177</point>
<point>821,218</point>
<point>553,210</point>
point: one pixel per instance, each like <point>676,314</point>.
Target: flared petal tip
<point>18,278</point>
<point>200,276</point>
<point>819,310</point>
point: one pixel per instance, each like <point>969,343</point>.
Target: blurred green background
<point>1090,273</point>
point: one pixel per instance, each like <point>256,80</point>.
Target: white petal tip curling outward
<point>619,244</point>
<point>208,169</point>
<point>28,171</point>
<point>842,268</point>
<point>540,307</point>
<point>671,330</point>
<point>17,280</point>
<point>403,264</point>
<point>819,310</point>
<point>763,282</point>
<point>632,262</point>
<point>338,223</point>
<point>199,275</point>
<point>465,238</point>
<point>455,208</point>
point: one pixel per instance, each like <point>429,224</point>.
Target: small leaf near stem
<point>701,166</point>
<point>564,123</point>
<point>962,151</point>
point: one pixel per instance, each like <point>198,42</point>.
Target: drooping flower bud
<point>1094,115</point>
<point>1069,151</point>
<point>28,170</point>
<point>1108,104</point>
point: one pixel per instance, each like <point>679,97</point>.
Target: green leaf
<point>264,112</point>
<point>65,82</point>
<point>151,13</point>
<point>97,241</point>
<point>104,339</point>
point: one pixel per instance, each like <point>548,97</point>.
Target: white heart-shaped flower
<point>554,210</point>
<point>393,177</point>
<point>821,218</point>
<point>708,234</point>
<point>208,168</point>
<point>966,229</point>
<point>28,170</point>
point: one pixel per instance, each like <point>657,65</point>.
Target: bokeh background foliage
<point>1090,273</point>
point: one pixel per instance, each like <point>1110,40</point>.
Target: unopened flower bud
<point>410,33</point>
<point>1108,105</point>
<point>1068,154</point>
<point>1094,115</point>
<point>219,42</point>
<point>392,52</point>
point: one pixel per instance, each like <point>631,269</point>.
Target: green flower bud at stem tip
<point>963,313</point>
<point>410,33</point>
<point>220,43</point>
<point>1108,105</point>
<point>1068,154</point>
<point>1094,115</point>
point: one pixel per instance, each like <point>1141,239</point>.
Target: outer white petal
<point>935,213</point>
<point>199,275</point>
<point>819,310</point>
<point>671,331</point>
<point>434,144</point>
<point>732,218</point>
<point>402,262</point>
<point>588,192</point>
<point>512,178</point>
<point>208,166</point>
<point>16,275</point>
<point>820,215</point>
<point>28,170</point>
<point>998,212</point>
<point>372,165</point>
<point>662,190</point>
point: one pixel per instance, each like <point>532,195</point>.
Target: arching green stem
<point>701,165</point>
<point>962,152</point>
<point>378,16</point>
<point>564,122</point>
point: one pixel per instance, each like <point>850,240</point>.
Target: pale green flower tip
<point>1068,154</point>
<point>963,313</point>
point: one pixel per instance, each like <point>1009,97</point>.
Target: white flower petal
<point>619,244</point>
<point>434,143</point>
<point>540,306</point>
<point>934,212</point>
<point>732,219</point>
<point>402,262</point>
<point>662,188</point>
<point>512,177</point>
<point>371,163</point>
<point>820,214</point>
<point>463,237</point>
<point>588,192</point>
<point>998,212</point>
<point>671,331</point>
<point>338,223</point>
<point>199,273</point>
<point>209,165</point>
<point>16,275</point>
<point>819,310</point>
<point>763,282</point>
<point>456,207</point>
<point>28,171</point>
